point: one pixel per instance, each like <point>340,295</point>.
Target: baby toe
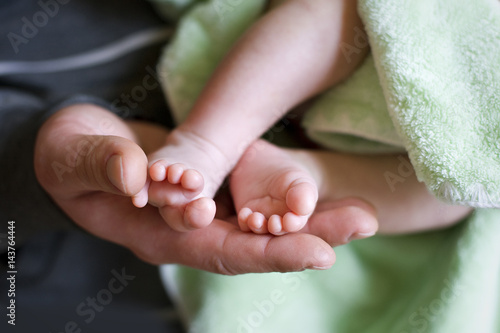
<point>192,180</point>
<point>141,199</point>
<point>158,171</point>
<point>174,217</point>
<point>257,223</point>
<point>199,213</point>
<point>293,222</point>
<point>175,172</point>
<point>275,225</point>
<point>243,216</point>
<point>302,197</point>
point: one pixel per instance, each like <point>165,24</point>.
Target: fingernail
<point>361,235</point>
<point>319,268</point>
<point>321,256</point>
<point>114,169</point>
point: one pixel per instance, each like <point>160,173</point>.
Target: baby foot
<point>185,174</point>
<point>272,191</point>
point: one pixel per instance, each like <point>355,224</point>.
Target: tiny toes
<point>173,216</point>
<point>293,222</point>
<point>257,223</point>
<point>192,180</point>
<point>301,198</point>
<point>275,225</point>
<point>158,172</point>
<point>141,199</point>
<point>174,173</point>
<point>243,216</point>
<point>199,213</point>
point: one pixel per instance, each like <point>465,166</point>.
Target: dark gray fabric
<point>58,265</point>
<point>78,27</point>
<point>23,200</point>
<point>58,271</point>
<point>28,99</point>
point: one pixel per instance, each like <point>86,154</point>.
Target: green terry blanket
<point>431,88</point>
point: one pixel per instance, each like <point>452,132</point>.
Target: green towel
<point>431,88</point>
<point>439,66</point>
<point>444,282</point>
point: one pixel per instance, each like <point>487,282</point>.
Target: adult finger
<point>221,247</point>
<point>71,157</point>
<point>224,249</point>
<point>339,222</point>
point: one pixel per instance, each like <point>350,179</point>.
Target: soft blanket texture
<point>431,87</point>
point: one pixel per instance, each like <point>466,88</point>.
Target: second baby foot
<point>185,174</point>
<point>272,191</point>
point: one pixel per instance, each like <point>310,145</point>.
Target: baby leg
<point>408,208</point>
<point>279,62</point>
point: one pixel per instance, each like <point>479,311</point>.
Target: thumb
<point>88,163</point>
<point>339,222</point>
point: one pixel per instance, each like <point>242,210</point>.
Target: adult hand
<point>91,199</point>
